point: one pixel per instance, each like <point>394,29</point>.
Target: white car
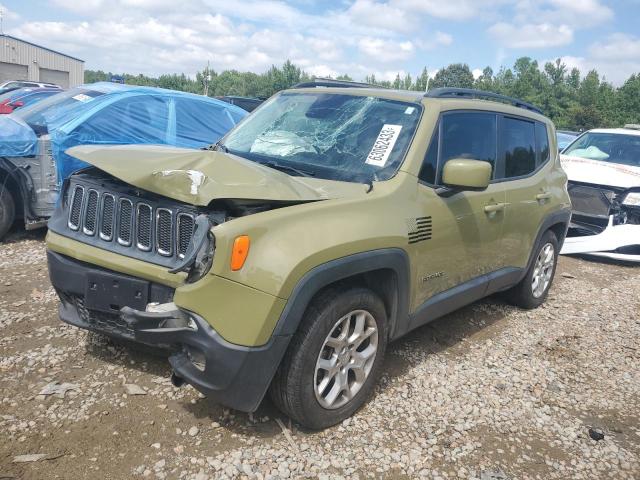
<point>603,166</point>
<point>27,83</point>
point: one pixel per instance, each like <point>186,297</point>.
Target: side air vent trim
<point>420,229</point>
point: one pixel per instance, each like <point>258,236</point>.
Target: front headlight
<point>632,199</point>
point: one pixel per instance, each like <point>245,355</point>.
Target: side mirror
<point>466,174</point>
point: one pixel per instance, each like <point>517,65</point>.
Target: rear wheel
<point>7,210</point>
<point>334,359</point>
<point>533,289</point>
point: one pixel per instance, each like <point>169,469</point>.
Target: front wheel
<point>334,359</point>
<point>533,289</point>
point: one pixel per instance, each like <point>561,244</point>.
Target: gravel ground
<point>489,392</point>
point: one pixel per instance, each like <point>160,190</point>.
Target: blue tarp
<point>17,139</point>
<point>107,113</point>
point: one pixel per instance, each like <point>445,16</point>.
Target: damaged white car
<point>603,166</point>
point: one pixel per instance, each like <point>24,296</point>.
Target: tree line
<point>572,100</point>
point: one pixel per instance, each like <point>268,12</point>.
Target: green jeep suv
<point>333,220</point>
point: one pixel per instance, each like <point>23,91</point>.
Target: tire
<point>7,210</point>
<point>301,388</point>
<point>528,294</point>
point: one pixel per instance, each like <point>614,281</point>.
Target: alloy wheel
<point>346,359</point>
<point>543,270</point>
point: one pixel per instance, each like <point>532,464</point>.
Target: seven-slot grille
<point>419,229</point>
<point>130,222</point>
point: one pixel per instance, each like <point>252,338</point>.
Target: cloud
<point>615,57</point>
<point>450,9</point>
<point>617,47</point>
<point>8,14</point>
<point>583,13</point>
<point>384,50</point>
<point>381,15</point>
<point>548,23</point>
<point>542,35</point>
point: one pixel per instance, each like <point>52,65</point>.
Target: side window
<point>468,135</point>
<point>128,121</point>
<point>430,164</point>
<point>542,140</point>
<point>519,144</point>
<point>201,123</point>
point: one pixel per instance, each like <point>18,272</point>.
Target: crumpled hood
<point>600,173</point>
<point>199,176</point>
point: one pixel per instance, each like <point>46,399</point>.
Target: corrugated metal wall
<point>35,58</point>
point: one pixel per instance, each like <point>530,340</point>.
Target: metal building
<point>22,60</point>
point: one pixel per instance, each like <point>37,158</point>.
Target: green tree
<point>422,81</point>
<point>455,75</point>
<point>486,80</point>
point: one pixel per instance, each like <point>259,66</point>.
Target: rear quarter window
<point>542,140</point>
<point>518,139</point>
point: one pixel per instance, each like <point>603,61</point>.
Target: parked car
<point>28,83</point>
<point>8,89</point>
<point>23,97</point>
<point>603,166</point>
<point>33,140</point>
<point>565,137</point>
<point>329,222</point>
<point>246,103</point>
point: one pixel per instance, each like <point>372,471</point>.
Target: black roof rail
<point>330,82</point>
<point>480,94</point>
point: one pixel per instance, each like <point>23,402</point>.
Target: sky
<point>329,38</point>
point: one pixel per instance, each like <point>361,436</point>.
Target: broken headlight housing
<point>199,256</point>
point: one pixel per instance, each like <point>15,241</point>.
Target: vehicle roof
<point>618,131</point>
<point>456,103</point>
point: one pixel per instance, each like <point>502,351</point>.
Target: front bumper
<point>233,375</point>
<point>618,242</point>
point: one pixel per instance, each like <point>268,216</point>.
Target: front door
<point>466,227</point>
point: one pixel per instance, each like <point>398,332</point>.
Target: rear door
<point>526,171</point>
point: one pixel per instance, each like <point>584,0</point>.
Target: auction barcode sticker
<point>383,145</point>
<point>81,97</point>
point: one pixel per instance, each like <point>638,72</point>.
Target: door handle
<point>494,207</point>
<point>543,196</point>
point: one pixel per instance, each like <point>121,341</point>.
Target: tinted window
<point>468,135</point>
<point>519,143</point>
<point>430,165</point>
<point>543,143</point>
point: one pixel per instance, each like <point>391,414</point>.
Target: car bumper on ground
<point>620,242</point>
<point>236,376</point>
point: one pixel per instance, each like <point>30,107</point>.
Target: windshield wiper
<point>218,147</point>
<point>287,168</point>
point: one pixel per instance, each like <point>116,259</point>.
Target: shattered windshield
<point>607,147</point>
<point>325,135</point>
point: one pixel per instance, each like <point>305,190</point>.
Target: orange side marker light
<point>239,252</point>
